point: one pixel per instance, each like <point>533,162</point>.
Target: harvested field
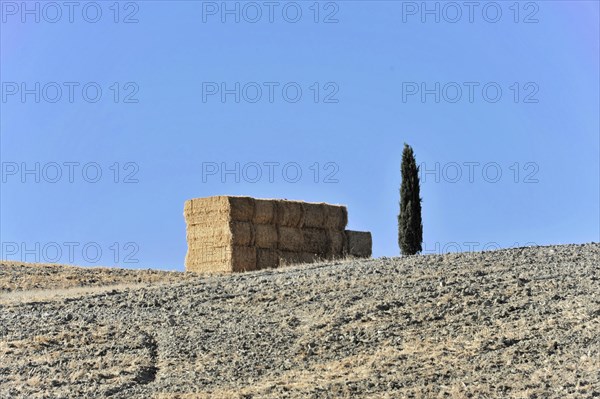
<point>21,276</point>
<point>516,323</point>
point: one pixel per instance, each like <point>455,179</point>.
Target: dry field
<point>517,323</point>
<point>19,276</point>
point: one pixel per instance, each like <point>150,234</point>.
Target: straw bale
<point>204,205</point>
<point>208,259</point>
<point>289,213</point>
<point>314,215</point>
<point>265,211</point>
<point>359,243</point>
<point>207,217</point>
<point>337,241</point>
<point>230,233</point>
<point>265,236</point>
<point>267,258</point>
<point>316,241</point>
<point>241,209</point>
<point>242,233</point>
<point>205,244</point>
<point>336,217</point>
<point>291,239</point>
<point>243,259</point>
<point>203,254</point>
<point>234,233</point>
<point>187,207</point>
<point>214,267</point>
<point>211,220</point>
<point>221,232</point>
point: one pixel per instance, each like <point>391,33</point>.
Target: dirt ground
<point>516,323</point>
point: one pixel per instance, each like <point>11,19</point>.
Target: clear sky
<point>171,100</point>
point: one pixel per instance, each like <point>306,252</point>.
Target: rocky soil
<point>18,276</point>
<point>517,323</point>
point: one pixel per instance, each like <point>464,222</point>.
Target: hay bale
<point>201,255</point>
<point>227,233</point>
<point>290,239</point>
<point>313,240</point>
<point>222,232</point>
<point>211,259</point>
<point>243,259</point>
<point>359,243</point>
<point>206,211</point>
<point>337,242</point>
<point>316,241</point>
<point>209,268</point>
<point>207,217</point>
<point>241,209</point>
<point>187,207</point>
<point>242,233</point>
<point>267,258</point>
<point>209,204</point>
<point>265,212</point>
<point>233,233</point>
<point>265,236</point>
<point>314,215</point>
<point>289,213</point>
<point>336,217</point>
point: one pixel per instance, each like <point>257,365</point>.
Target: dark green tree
<point>410,226</point>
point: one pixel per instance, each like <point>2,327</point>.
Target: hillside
<point>521,323</point>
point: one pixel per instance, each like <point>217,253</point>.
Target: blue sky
<point>500,103</point>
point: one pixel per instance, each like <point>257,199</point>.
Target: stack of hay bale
<point>231,234</point>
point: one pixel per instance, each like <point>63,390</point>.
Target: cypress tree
<point>410,227</point>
